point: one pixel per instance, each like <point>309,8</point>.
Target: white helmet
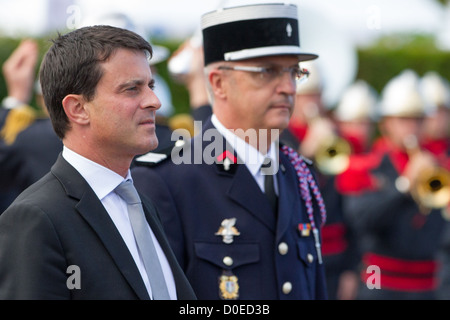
<point>120,20</point>
<point>357,103</point>
<point>401,96</point>
<point>435,90</point>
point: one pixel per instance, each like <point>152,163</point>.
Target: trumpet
<point>431,189</point>
<point>330,152</point>
<point>333,155</point>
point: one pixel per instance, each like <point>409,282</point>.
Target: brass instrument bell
<point>333,155</point>
<point>433,187</point>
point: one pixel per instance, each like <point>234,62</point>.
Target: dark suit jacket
<point>59,222</point>
<point>194,199</point>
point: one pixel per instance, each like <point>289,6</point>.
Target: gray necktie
<point>144,240</point>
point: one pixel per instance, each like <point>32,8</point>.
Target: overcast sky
<point>328,27</point>
<point>362,19</point>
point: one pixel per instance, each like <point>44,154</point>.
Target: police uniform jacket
<point>30,156</point>
<point>268,258</point>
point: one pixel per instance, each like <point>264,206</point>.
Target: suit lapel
<point>92,210</point>
<point>245,191</point>
<point>289,204</point>
<point>96,216</point>
<point>243,188</point>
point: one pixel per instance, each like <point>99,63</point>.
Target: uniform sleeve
<point>32,263</point>
<point>10,164</point>
<point>370,194</point>
<point>371,210</point>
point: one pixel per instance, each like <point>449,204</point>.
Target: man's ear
<point>218,86</point>
<point>75,107</point>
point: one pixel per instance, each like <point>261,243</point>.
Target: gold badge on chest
<point>228,286</point>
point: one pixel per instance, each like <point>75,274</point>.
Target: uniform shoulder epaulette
<point>154,158</point>
<point>151,159</point>
<point>16,121</point>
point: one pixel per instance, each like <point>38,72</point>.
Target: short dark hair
<point>72,65</point>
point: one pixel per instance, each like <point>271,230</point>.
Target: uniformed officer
<point>237,234</point>
<point>28,149</point>
<point>436,136</point>
<point>400,231</point>
<point>28,144</point>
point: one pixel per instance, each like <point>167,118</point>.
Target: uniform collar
<point>246,153</point>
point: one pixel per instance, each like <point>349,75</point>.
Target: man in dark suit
<point>71,234</point>
<point>236,233</point>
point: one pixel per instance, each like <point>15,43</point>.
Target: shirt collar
<point>101,179</point>
<point>252,158</point>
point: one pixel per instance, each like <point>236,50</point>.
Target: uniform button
<point>228,261</point>
<point>310,257</point>
<point>287,287</point>
<point>283,248</point>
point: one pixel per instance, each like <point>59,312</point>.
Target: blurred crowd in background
<point>381,151</point>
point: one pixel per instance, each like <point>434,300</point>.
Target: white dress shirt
<point>103,181</point>
<point>252,158</point>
